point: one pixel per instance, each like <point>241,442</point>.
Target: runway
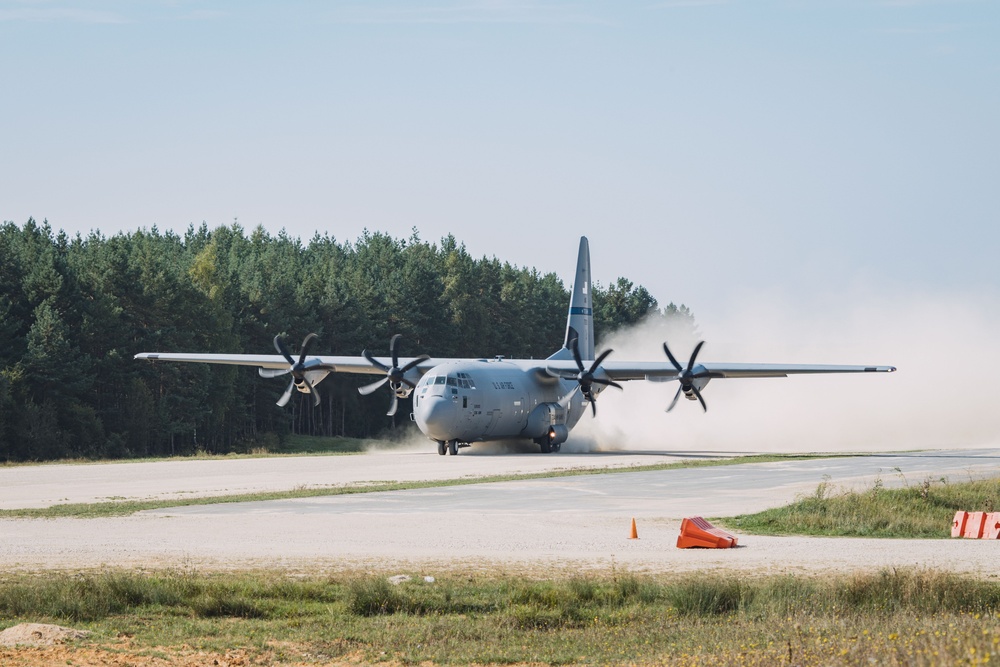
<point>537,526</point>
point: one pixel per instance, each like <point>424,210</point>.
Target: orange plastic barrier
<point>696,532</point>
<point>974,525</point>
<point>958,523</point>
<point>992,529</point>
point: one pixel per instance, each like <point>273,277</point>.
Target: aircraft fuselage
<point>473,401</point>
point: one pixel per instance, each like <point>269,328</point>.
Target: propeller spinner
<point>585,377</point>
<point>686,376</point>
<point>296,368</point>
<point>394,375</point>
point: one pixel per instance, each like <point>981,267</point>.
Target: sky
<point>819,181</point>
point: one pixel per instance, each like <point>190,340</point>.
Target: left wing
<point>663,372</point>
<point>691,378</point>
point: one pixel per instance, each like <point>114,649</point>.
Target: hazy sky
<point>713,151</point>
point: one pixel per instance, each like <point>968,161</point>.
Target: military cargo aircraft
<point>457,402</point>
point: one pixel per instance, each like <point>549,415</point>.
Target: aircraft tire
<point>453,447</point>
<point>556,447</point>
<point>546,447</point>
<point>442,448</point>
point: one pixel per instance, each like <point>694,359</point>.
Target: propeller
<point>394,375</point>
<point>585,377</point>
<point>296,368</point>
<point>686,377</point>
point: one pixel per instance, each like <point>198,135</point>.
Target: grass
<point>892,617</point>
<point>924,510</point>
<point>126,507</point>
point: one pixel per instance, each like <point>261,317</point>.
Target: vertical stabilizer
<point>580,322</point>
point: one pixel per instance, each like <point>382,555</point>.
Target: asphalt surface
<point>531,526</point>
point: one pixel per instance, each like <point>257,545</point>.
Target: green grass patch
<point>125,507</point>
<point>890,617</point>
<point>922,510</point>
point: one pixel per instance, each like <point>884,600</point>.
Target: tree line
<point>74,311</point>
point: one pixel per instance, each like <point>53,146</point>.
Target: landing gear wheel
<point>556,447</point>
<point>453,447</point>
<point>546,447</point>
<point>442,448</point>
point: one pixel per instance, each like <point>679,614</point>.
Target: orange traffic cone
<point>633,535</point>
<point>696,532</point>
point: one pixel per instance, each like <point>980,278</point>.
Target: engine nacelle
<point>314,377</point>
<point>700,384</point>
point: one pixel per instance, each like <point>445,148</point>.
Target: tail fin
<point>580,321</point>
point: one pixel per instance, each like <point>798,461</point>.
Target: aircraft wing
<point>616,370</point>
<point>333,364</point>
<point>661,371</point>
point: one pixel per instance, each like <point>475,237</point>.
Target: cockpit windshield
<point>458,380</point>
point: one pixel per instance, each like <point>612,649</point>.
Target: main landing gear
<point>450,447</point>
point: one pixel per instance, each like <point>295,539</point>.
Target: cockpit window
<point>440,379</point>
<point>452,382</point>
<point>465,381</point>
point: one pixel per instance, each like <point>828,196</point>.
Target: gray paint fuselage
<point>490,400</point>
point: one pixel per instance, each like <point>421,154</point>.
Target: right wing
<point>358,365</point>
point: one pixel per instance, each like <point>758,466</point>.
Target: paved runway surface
<point>563,523</point>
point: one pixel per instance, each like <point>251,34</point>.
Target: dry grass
<point>893,617</point>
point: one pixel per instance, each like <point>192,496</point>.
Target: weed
<point>914,511</point>
<point>374,596</point>
<point>889,617</point>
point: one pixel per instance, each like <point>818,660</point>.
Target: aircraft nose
<point>435,417</point>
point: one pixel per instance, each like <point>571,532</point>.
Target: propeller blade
<point>566,375</point>
<point>568,398</point>
<point>702,400</point>
<point>575,347</point>
<point>283,401</point>
<point>421,358</point>
<point>369,388</point>
<point>279,345</point>
<point>694,355</point>
<point>676,396</point>
<point>305,347</point>
<point>375,362</point>
<point>672,360</point>
<point>312,390</point>
<point>608,383</point>
<point>394,375</point>
<point>394,349</point>
<point>601,358</point>
<point>295,368</point>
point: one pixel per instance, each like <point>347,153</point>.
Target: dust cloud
<point>943,395</point>
<point>404,439</point>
